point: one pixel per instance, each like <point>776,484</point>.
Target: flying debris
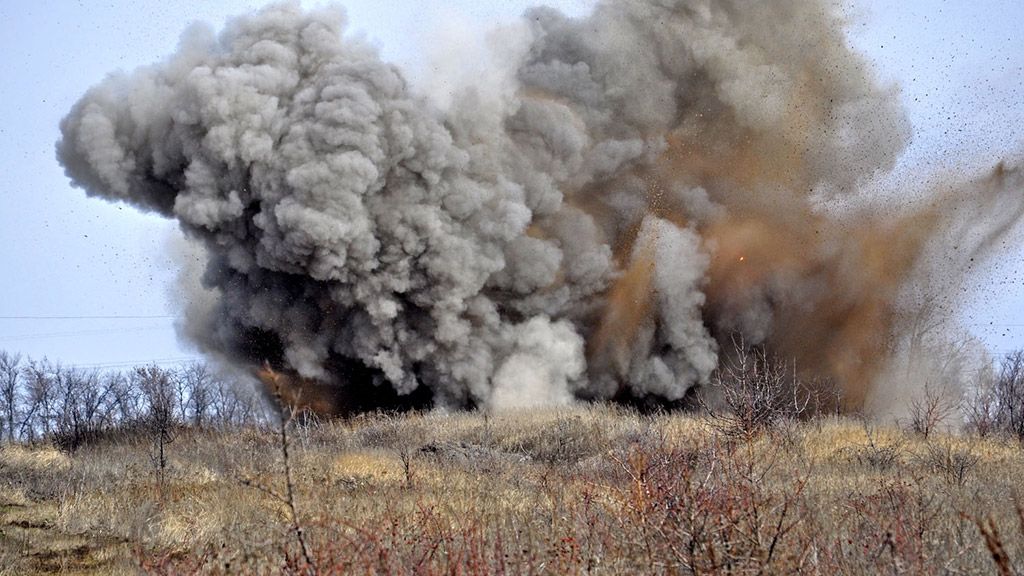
<point>620,197</point>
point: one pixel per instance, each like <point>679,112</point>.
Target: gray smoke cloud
<point>573,225</point>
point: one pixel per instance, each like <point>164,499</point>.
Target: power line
<point>111,317</point>
<point>174,360</point>
<point>72,333</point>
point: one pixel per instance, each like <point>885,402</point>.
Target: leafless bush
<point>704,510</point>
<point>881,456</point>
<point>566,441</point>
<point>404,435</point>
<point>756,390</point>
<point>952,463</point>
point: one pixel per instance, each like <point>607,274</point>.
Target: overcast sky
<point>74,259</point>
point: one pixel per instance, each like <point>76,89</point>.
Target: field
<point>595,490</point>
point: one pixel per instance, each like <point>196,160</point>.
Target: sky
<point>88,283</point>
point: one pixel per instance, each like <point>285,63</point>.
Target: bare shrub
<point>566,441</point>
<point>879,455</point>
<point>953,464</point>
<point>756,390</point>
<point>402,434</point>
<point>705,510</point>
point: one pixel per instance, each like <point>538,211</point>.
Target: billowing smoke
<point>616,199</point>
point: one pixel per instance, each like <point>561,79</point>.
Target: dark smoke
<point>617,198</point>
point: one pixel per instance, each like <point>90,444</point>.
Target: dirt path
<point>30,543</point>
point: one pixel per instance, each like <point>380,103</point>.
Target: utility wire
<point>128,363</point>
<point>111,317</point>
<point>72,333</point>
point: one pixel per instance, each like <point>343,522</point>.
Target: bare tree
<point>10,393</point>
<point>1008,389</point>
<point>981,405</point>
<point>224,404</point>
<point>95,402</point>
<point>81,406</point>
<point>68,419</point>
<point>158,389</point>
<point>286,416</point>
<point>932,409</point>
<point>996,404</point>
<point>126,400</point>
<point>40,399</point>
<point>195,394</point>
<point>233,404</point>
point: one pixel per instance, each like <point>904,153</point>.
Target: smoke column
<point>614,202</point>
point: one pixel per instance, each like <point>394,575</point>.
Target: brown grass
<point>585,491</point>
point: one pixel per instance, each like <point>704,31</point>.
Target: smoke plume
<point>597,217</point>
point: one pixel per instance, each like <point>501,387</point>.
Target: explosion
<point>623,195</point>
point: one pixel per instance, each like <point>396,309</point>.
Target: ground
<point>598,490</point>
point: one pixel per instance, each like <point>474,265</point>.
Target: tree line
<point>43,401</point>
<point>47,401</point>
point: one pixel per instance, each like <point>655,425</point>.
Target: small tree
<point>286,416</point>
<point>932,409</point>
<point>158,389</point>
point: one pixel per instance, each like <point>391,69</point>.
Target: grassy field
<point>591,490</point>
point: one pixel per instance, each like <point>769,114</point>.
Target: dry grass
<point>591,490</point>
